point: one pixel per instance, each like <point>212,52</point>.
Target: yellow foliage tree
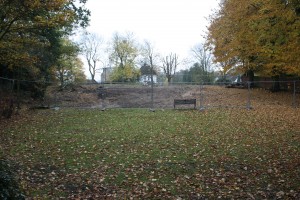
<point>123,53</point>
<point>257,35</point>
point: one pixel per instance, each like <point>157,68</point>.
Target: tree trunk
<point>61,79</point>
<point>276,84</point>
<point>250,74</point>
<point>169,79</point>
<point>93,78</point>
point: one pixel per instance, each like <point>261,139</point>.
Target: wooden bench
<point>184,102</point>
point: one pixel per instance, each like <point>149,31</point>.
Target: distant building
<point>146,75</point>
<point>105,75</point>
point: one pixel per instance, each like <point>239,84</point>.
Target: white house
<point>146,75</point>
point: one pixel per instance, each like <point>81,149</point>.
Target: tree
<point>170,64</point>
<point>78,71</point>
<point>150,56</point>
<point>203,61</point>
<point>257,36</point>
<point>150,59</point>
<point>92,50</point>
<point>232,42</point>
<point>69,66</point>
<point>123,54</point>
<point>182,76</point>
<point>30,33</point>
<point>195,74</point>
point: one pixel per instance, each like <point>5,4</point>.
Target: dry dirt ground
<point>129,96</point>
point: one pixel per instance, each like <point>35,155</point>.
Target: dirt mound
<point>138,96</point>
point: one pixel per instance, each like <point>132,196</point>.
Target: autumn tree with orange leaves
<point>261,36</point>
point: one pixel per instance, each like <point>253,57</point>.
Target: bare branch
<point>170,64</point>
<point>92,50</point>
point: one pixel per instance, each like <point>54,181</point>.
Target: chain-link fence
<point>250,94</point>
<point>21,94</point>
<point>16,95</point>
<point>120,95</point>
<point>162,95</point>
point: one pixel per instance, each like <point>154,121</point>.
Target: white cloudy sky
<point>171,25</point>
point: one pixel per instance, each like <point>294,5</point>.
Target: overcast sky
<point>171,25</point>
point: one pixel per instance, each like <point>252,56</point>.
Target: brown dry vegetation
<point>115,96</point>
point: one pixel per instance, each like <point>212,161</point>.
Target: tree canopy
<point>30,35</point>
<point>122,54</point>
<point>69,68</point>
<point>257,35</point>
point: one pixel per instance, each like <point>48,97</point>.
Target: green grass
<point>165,154</point>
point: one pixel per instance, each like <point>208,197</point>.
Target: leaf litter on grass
<point>167,154</point>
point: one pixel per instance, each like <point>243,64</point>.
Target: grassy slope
<point>164,154</point>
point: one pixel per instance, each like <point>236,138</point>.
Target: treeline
<point>195,74</point>
<point>34,42</point>
<point>257,36</point>
<point>125,59</point>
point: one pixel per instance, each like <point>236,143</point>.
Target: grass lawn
<point>167,154</point>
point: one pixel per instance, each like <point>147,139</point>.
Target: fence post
<point>103,97</point>
<point>55,98</point>
<point>201,97</point>
<point>152,89</point>
<point>249,96</point>
<point>294,96</point>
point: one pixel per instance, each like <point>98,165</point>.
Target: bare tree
<point>203,57</point>
<point>150,57</point>
<point>203,60</point>
<point>92,50</point>
<point>170,64</point>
